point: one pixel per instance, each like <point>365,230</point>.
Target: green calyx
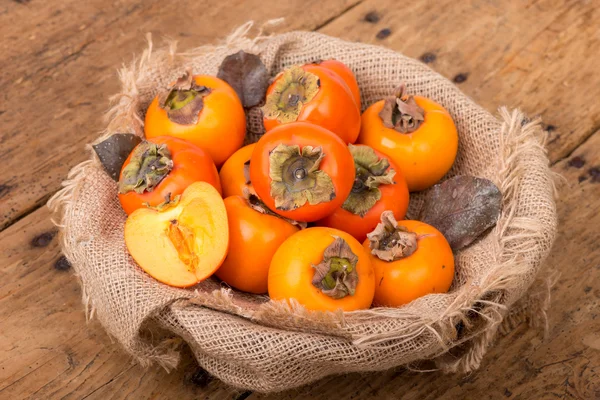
<point>296,178</point>
<point>336,274</point>
<point>149,164</point>
<point>293,88</point>
<point>184,101</point>
<point>401,112</point>
<point>371,172</point>
<point>390,241</point>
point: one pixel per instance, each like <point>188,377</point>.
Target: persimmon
<point>322,269</point>
<point>346,74</point>
<point>301,171</point>
<point>255,233</point>
<point>416,133</point>
<point>160,169</point>
<point>201,109</point>
<point>235,173</point>
<point>378,186</point>
<point>313,93</point>
<point>184,241</point>
<point>410,259</point>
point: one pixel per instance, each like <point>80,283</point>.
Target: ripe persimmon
<point>416,133</point>
<point>346,74</point>
<point>322,269</point>
<point>157,170</point>
<point>378,186</point>
<point>410,259</point>
<point>201,109</point>
<point>235,173</point>
<point>301,171</point>
<point>183,242</point>
<point>313,93</point>
<point>255,233</point>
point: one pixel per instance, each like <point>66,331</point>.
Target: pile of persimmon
<point>312,212</point>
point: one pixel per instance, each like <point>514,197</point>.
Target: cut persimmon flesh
<point>182,242</point>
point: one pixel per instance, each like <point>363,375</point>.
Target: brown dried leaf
<point>462,208</point>
<point>247,75</point>
<point>113,152</point>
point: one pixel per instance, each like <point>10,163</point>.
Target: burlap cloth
<point>253,343</point>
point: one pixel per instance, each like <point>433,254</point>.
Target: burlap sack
<point>253,343</point>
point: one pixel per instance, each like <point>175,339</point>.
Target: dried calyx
<point>149,164</point>
<point>296,178</point>
<point>371,171</point>
<point>294,88</point>
<point>391,242</point>
<point>401,112</point>
<point>184,100</point>
<point>336,274</point>
<point>255,203</point>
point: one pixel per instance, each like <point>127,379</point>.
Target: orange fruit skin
<point>233,181</point>
<point>337,163</point>
<point>333,107</point>
<point>221,125</point>
<point>425,155</point>
<point>190,164</point>
<point>253,239</point>
<point>346,74</point>
<point>430,269</point>
<point>291,271</point>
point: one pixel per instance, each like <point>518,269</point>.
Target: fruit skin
<point>233,180</point>
<point>346,74</point>
<point>190,164</point>
<point>333,107</point>
<point>221,125</point>
<point>291,271</point>
<point>393,197</point>
<point>337,163</point>
<point>253,239</point>
<point>200,211</point>
<point>425,155</point>
<point>430,269</point>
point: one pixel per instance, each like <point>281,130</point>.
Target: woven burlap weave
<point>250,342</point>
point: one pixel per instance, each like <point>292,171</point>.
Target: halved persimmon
<point>181,242</point>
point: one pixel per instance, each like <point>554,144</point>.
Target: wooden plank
<point>522,365</point>
<point>533,54</point>
<point>57,70</point>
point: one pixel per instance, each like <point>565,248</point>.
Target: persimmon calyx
<point>371,172</point>
<point>184,241</point>
<point>148,166</point>
<point>401,112</point>
<point>166,204</point>
<point>296,178</point>
<point>255,203</point>
<point>294,88</point>
<point>389,241</point>
<point>184,100</point>
<point>336,274</point>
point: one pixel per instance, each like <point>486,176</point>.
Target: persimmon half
<point>159,169</point>
<point>313,93</point>
<point>235,173</point>
<point>255,233</point>
<point>379,185</point>
<point>201,109</point>
<point>410,259</point>
<point>322,269</point>
<point>301,171</point>
<point>416,133</point>
<point>185,241</point>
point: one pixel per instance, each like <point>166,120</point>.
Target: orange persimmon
<point>183,242</point>
<point>201,109</point>
<point>322,269</point>
<point>416,133</point>
<point>160,169</point>
<point>346,74</point>
<point>235,173</point>
<point>379,185</point>
<point>410,259</point>
<point>313,93</point>
<point>254,235</point>
<point>301,171</point>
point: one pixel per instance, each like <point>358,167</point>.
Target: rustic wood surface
<point>57,70</point>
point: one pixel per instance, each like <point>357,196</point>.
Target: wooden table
<point>57,64</point>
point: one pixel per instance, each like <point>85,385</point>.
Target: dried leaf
<point>462,208</point>
<point>247,75</point>
<point>113,152</point>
